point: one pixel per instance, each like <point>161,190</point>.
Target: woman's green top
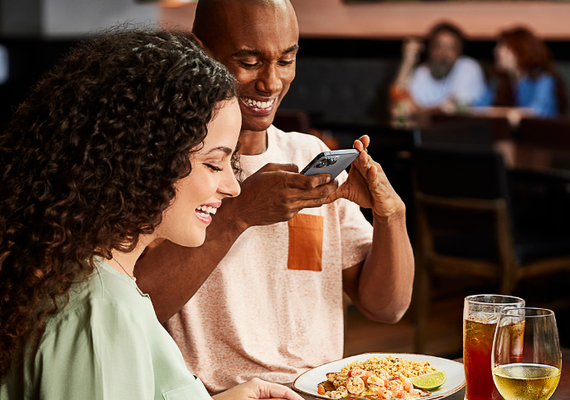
<point>106,343</point>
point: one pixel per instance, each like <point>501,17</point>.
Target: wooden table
<point>562,391</point>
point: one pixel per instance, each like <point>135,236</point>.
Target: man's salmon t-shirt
<point>273,307</point>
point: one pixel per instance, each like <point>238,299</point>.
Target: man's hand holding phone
<point>276,193</point>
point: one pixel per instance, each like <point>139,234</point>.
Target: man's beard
<point>439,70</point>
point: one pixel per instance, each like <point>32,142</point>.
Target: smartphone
<point>331,162</point>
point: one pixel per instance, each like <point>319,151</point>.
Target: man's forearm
<point>386,277</point>
<point>172,274</point>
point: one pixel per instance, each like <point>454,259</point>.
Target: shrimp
<point>367,375</point>
<point>355,385</point>
<point>331,376</point>
<point>384,374</point>
<point>394,384</point>
<point>357,372</point>
<point>375,383</point>
<point>384,394</point>
<point>340,380</point>
<point>321,389</point>
<point>342,390</point>
<point>407,383</point>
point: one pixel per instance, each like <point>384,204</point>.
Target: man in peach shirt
<point>278,257</point>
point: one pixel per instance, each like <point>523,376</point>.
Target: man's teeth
<point>207,210</point>
<point>258,104</point>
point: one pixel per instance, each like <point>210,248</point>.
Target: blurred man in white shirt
<point>447,80</point>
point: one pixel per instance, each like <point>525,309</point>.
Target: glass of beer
<point>480,315</point>
<point>526,357</point>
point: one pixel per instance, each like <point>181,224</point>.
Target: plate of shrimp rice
<point>379,376</point>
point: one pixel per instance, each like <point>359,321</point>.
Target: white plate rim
<point>436,395</point>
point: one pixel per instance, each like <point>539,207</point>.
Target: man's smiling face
<point>258,44</point>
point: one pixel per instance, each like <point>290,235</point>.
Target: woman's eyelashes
<point>214,167</point>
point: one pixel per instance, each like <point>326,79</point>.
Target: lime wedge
<point>429,381</point>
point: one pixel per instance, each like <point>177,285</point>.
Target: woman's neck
<point>125,262</point>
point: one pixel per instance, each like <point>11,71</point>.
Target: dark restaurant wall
<point>28,59</point>
<point>337,79</point>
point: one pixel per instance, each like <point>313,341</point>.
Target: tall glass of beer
<point>480,315</point>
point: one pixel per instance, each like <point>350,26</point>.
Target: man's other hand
<point>368,186</point>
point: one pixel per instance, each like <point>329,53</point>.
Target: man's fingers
<point>358,145</point>
<point>318,192</point>
<point>365,140</point>
<point>280,167</point>
<point>333,197</point>
<point>315,181</point>
<point>361,144</point>
<point>372,172</point>
<point>361,161</point>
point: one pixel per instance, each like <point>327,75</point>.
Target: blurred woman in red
<point>524,76</point>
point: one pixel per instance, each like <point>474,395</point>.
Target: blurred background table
<point>562,391</point>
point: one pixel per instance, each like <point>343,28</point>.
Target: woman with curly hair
<point>524,76</point>
<point>131,138</point>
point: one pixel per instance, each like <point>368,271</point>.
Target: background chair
<point>549,138</point>
<point>466,227</point>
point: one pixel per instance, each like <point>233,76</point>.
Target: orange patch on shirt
<point>306,242</point>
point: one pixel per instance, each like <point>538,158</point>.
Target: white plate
<point>307,382</point>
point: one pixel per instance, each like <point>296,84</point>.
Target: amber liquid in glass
<point>477,346</point>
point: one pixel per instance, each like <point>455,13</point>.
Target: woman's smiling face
<point>212,179</point>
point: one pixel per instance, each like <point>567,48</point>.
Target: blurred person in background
<point>524,78</point>
<point>445,82</point>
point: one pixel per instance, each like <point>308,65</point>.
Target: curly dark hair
<point>89,163</point>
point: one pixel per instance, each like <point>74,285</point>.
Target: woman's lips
<point>204,217</point>
<point>205,212</point>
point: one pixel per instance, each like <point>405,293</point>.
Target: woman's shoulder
<point>546,76</point>
<point>101,297</point>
